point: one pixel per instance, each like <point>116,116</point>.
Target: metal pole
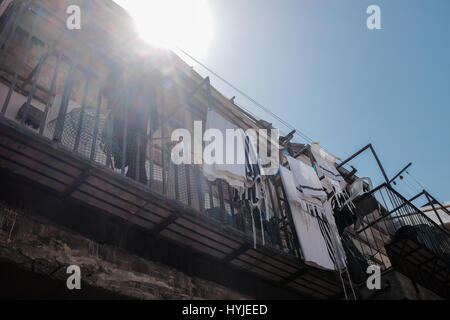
<point>434,209</point>
<point>401,171</point>
<point>369,146</point>
<point>379,164</point>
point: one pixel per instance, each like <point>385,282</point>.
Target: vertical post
<point>187,167</point>
<point>33,87</point>
<point>125,128</point>
<point>277,213</point>
<point>176,173</point>
<point>97,123</point>
<point>163,120</point>
<point>59,127</point>
<point>151,123</point>
<point>17,70</point>
<point>222,202</point>
<point>187,171</point>
<point>282,218</point>
<point>110,145</point>
<point>292,225</point>
<point>138,155</point>
<point>230,199</point>
<point>211,200</point>
<point>143,140</point>
<point>50,94</point>
<point>9,32</point>
<point>200,193</point>
<point>10,25</point>
<point>81,119</point>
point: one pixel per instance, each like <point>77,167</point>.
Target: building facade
<point>87,179</point>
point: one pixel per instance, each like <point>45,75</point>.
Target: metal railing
<point>396,218</point>
<point>96,106</point>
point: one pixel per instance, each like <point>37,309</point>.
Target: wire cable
<point>416,181</point>
<point>256,103</point>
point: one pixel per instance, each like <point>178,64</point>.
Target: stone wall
<point>39,246</point>
<point>396,286</point>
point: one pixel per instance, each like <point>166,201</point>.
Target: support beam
<point>78,182</point>
<point>416,196</point>
<point>163,225</point>
<point>236,253</point>
<point>292,277</point>
<point>369,146</point>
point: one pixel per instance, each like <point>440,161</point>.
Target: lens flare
<point>171,23</point>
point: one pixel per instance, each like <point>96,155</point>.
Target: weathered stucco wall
<point>36,245</point>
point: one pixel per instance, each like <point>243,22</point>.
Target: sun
<point>173,23</point>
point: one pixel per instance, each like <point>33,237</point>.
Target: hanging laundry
<point>257,200</point>
<point>311,239</point>
<point>292,193</point>
<point>234,173</point>
<point>326,163</point>
<point>306,179</point>
<point>252,161</point>
<point>322,153</point>
<point>312,242</point>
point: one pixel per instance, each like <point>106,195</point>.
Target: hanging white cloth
<point>292,193</point>
<point>326,163</point>
<point>312,242</point>
<point>233,173</point>
<point>306,179</point>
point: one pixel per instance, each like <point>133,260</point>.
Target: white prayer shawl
<point>306,179</point>
<point>292,193</point>
<point>322,153</point>
<point>332,186</point>
<point>331,179</point>
<point>312,242</point>
<point>256,200</point>
<point>234,173</point>
<point>253,159</point>
<point>325,162</point>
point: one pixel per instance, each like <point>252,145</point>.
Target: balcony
<point>398,235</point>
<point>93,127</point>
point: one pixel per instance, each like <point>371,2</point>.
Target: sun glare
<point>171,23</point>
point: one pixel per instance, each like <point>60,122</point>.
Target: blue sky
<point>317,65</point>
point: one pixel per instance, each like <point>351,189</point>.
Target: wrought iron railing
<point>393,219</point>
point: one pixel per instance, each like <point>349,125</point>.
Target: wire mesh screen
<point>79,130</point>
